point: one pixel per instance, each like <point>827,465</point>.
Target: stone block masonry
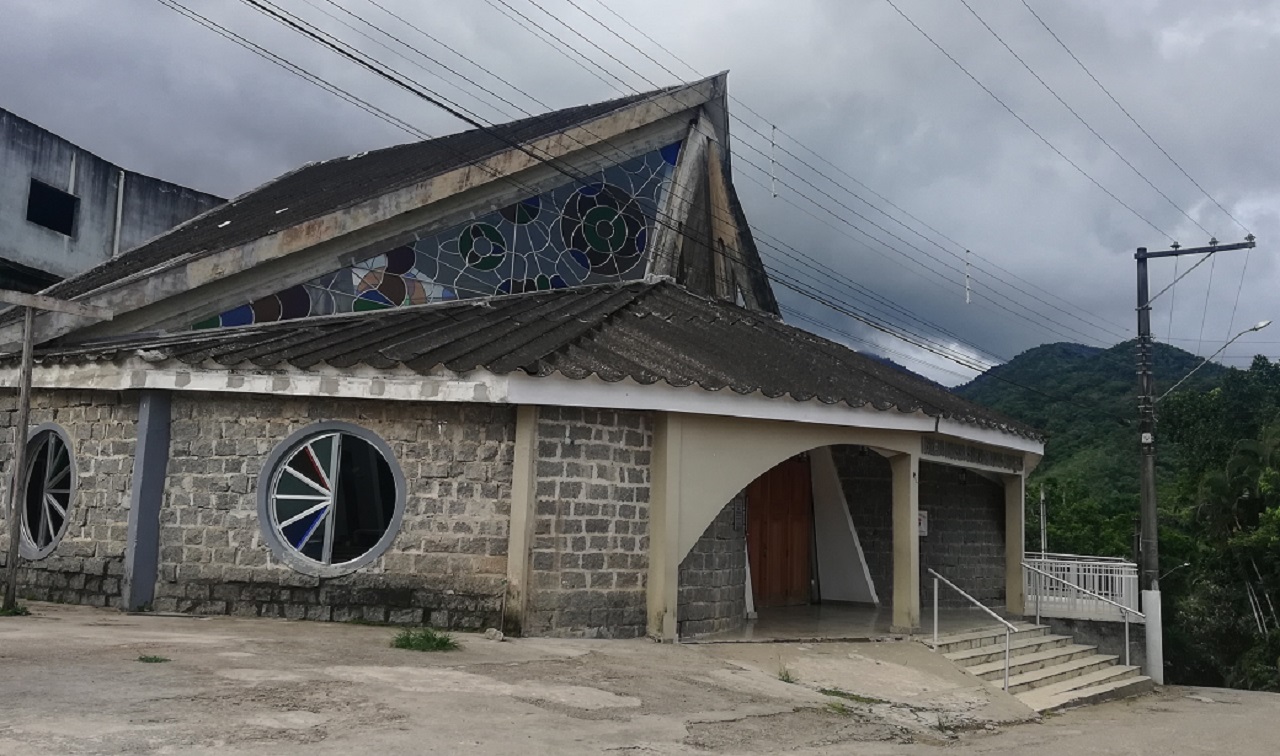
<point>87,565</point>
<point>446,566</point>
<point>966,536</point>
<point>589,558</point>
<point>966,527</point>
<point>713,576</point>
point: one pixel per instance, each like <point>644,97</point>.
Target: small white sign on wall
<point>924,522</point>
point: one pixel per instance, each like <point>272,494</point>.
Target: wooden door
<point>780,534</point>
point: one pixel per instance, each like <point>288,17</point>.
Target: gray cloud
<point>146,88</point>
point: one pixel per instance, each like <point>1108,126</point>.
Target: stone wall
<point>713,576</point>
<point>868,488</point>
<point>966,535</point>
<point>87,565</point>
<point>1107,636</point>
<point>966,526</point>
<point>446,566</point>
<point>589,558</point>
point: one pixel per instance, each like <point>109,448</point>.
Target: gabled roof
<point>319,188</point>
<point>649,332</point>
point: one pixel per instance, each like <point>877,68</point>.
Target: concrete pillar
<point>906,542</point>
<point>664,526</point>
<point>1014,544</point>
<point>524,503</point>
<point>146,495</point>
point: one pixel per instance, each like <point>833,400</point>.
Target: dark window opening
<point>52,208</point>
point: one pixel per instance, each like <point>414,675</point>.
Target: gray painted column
<point>150,463</point>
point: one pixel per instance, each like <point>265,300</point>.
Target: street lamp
<point>1257,327</point>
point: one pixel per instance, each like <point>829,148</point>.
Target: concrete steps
<point>1046,672</point>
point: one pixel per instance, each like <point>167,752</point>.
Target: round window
<point>330,499</point>
<point>51,483</point>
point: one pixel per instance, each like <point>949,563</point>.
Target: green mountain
<point>1084,399</point>
<point>1218,482</point>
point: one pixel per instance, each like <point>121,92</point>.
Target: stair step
<point>1057,673</point>
<point>1018,665</point>
<point>1097,677</point>
<point>1126,686</point>
<point>985,637</point>
<point>1017,647</point>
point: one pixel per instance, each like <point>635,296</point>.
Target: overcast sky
<point>850,79</point>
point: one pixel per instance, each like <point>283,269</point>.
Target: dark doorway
<point>780,534</point>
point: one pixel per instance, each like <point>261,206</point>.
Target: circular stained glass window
<point>51,484</point>
<point>330,499</point>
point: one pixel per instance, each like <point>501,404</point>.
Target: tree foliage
<point>1218,482</point>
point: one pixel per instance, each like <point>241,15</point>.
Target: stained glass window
<point>331,499</point>
<point>592,231</point>
<point>50,487</point>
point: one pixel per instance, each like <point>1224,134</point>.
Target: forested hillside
<point>1084,398</point>
<point>1219,490</point>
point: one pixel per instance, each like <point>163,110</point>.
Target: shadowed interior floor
<point>833,621</point>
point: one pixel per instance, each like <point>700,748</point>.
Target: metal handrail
<point>1009,628</point>
<point>1052,555</point>
<point>1124,610</point>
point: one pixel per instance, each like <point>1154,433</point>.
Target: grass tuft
<point>785,675</point>
<point>424,639</point>
<point>149,659</point>
<point>18,610</point>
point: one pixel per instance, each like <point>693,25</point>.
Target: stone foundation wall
<point>713,576</point>
<point>966,526</point>
<point>446,566</point>
<point>589,559</point>
<point>87,565</point>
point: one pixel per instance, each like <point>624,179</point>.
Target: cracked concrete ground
<point>71,683</point>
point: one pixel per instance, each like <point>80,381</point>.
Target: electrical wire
<point>1081,119</point>
<point>387,75</point>
<point>1028,126</point>
<point>958,246</point>
<point>1132,120</point>
<point>328,41</point>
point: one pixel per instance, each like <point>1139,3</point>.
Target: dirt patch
<point>785,732</point>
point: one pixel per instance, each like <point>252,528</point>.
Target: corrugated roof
<point>649,332</point>
<point>320,188</point>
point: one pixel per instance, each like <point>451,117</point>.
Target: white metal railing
<point>1083,587</point>
<point>1125,612</point>
<point>1009,629</point>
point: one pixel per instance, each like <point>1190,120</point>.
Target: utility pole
<point>1149,547</point>
<point>18,483</point>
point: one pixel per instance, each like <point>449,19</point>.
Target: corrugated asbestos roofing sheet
<point>649,332</point>
<point>320,188</point>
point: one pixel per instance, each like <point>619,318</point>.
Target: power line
<point>1080,118</point>
<point>298,25</point>
<point>835,215</point>
<point>1132,120</point>
<point>335,45</point>
<point>295,69</point>
<point>1028,126</point>
<point>835,166</point>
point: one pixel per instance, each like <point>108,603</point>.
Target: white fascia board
<point>989,436</point>
<point>362,383</point>
<point>482,386</point>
